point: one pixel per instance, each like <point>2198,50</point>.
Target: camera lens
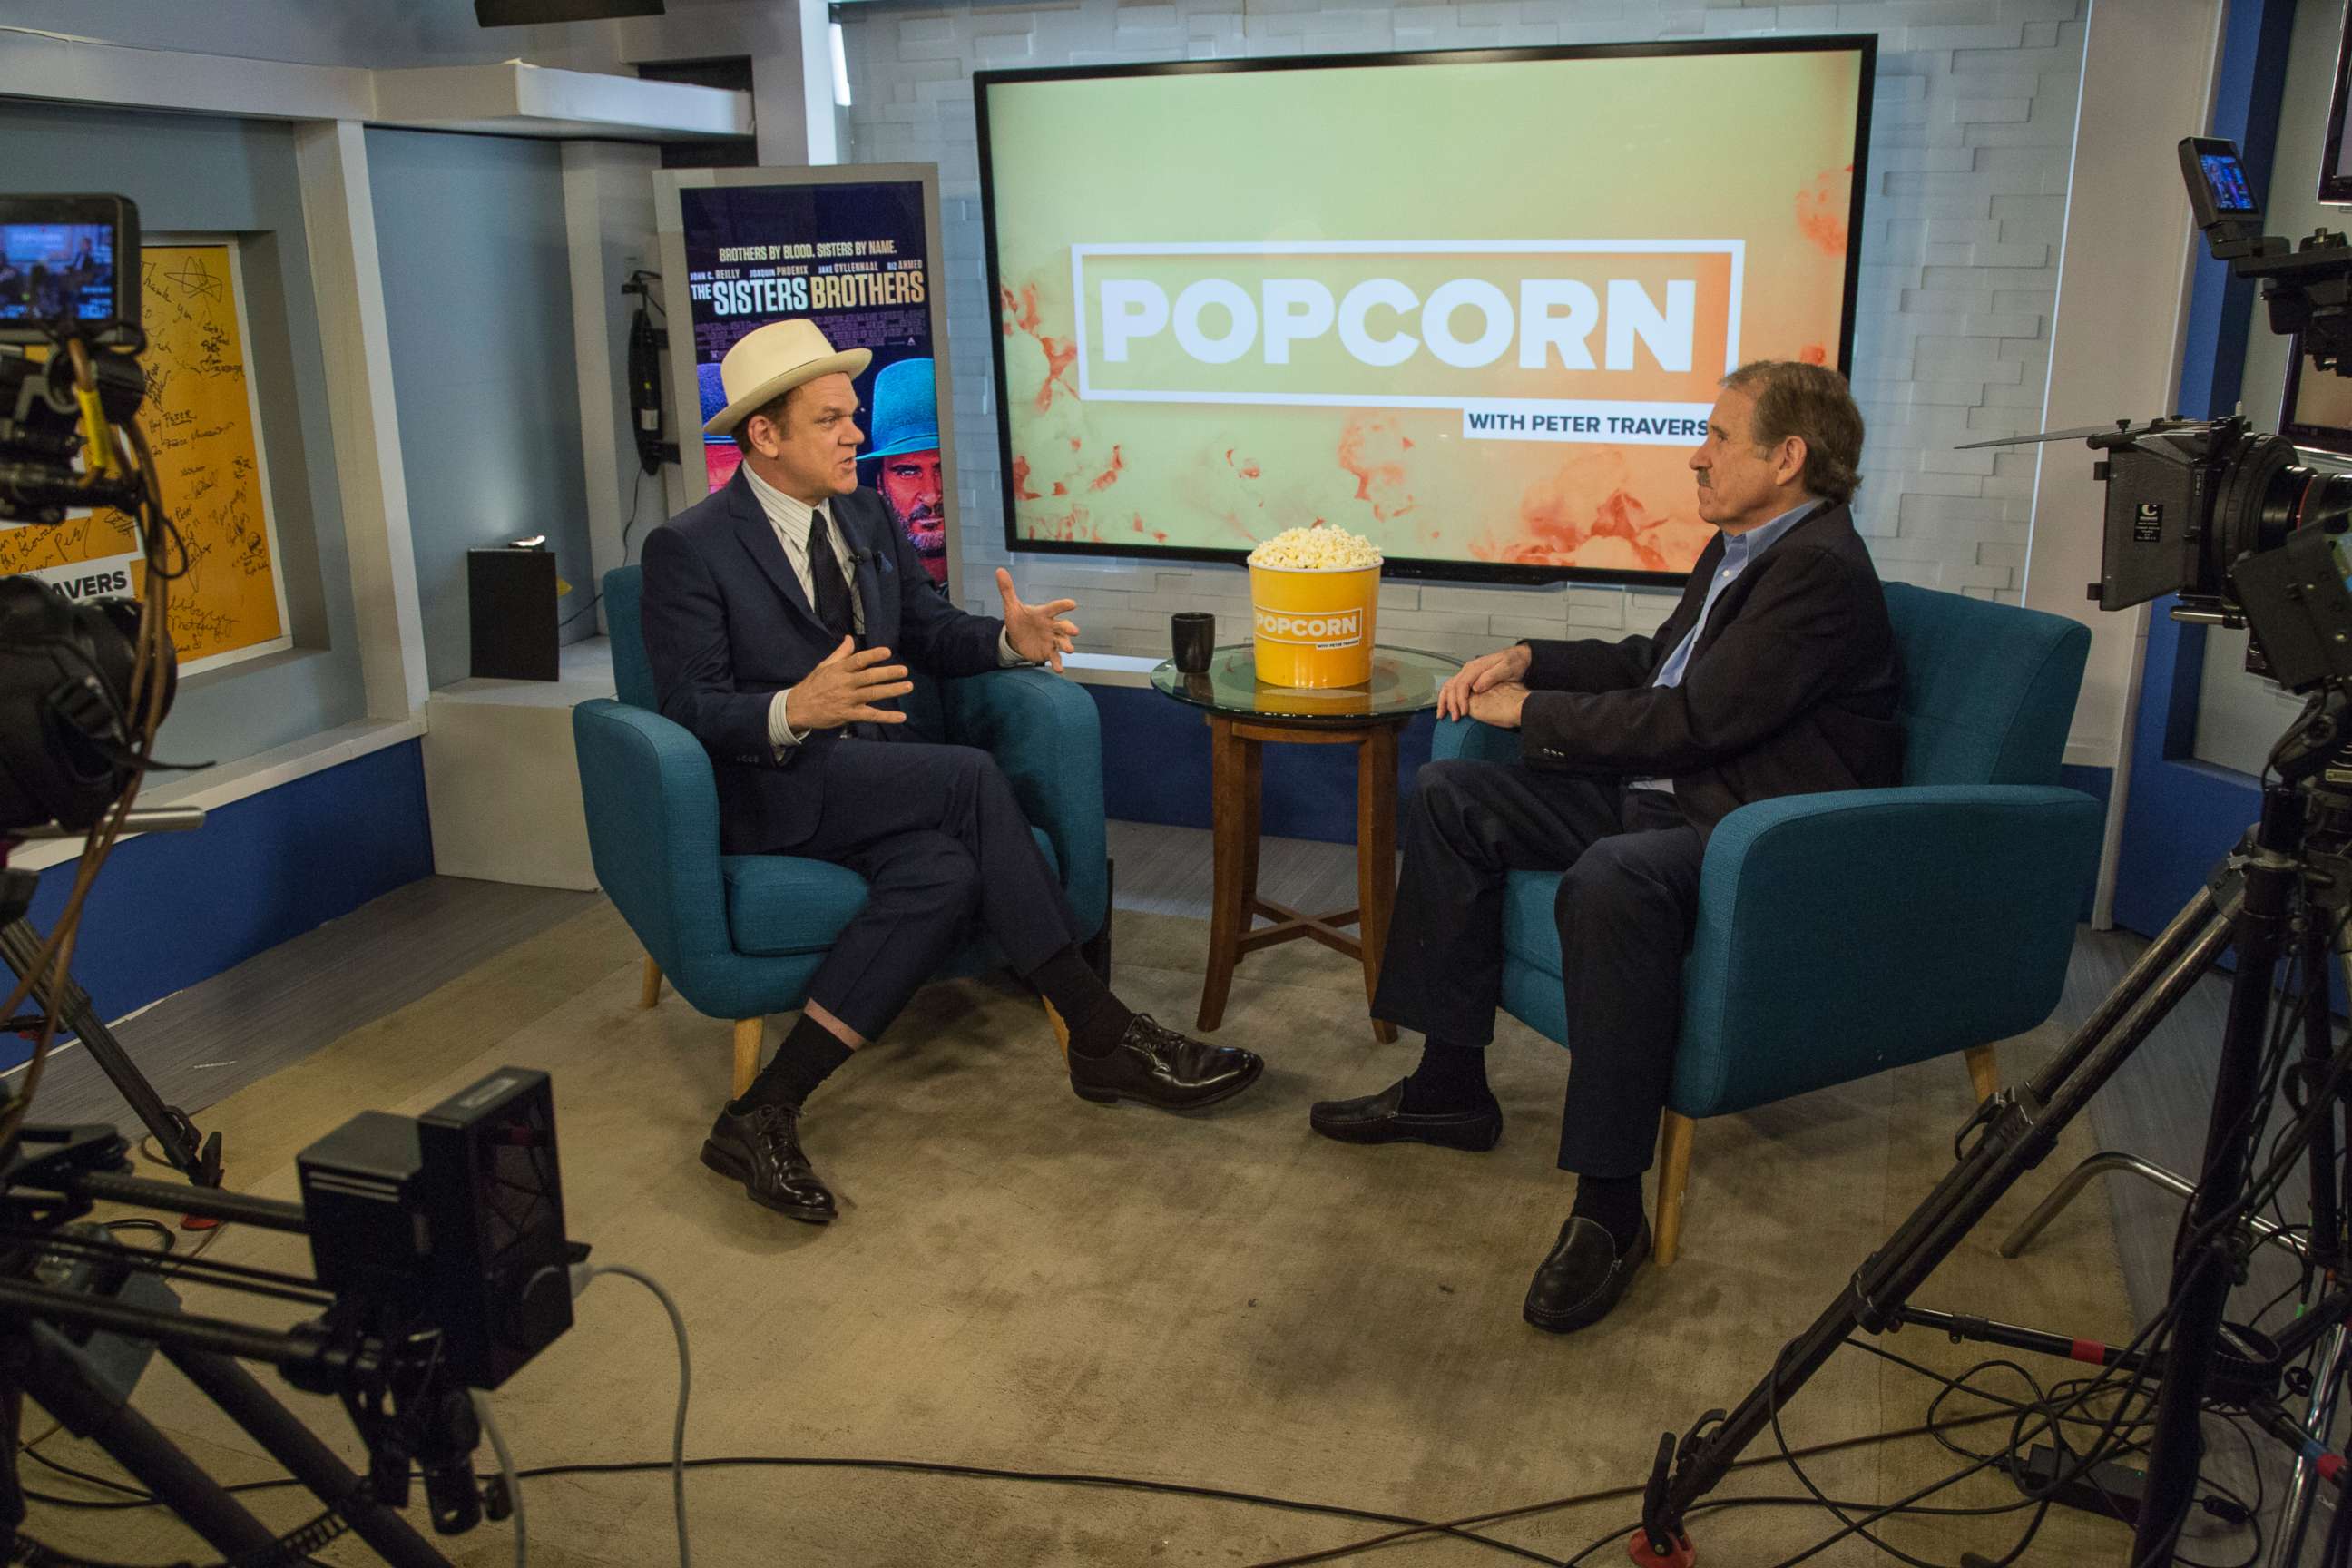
<point>2322,500</point>
<point>2264,494</point>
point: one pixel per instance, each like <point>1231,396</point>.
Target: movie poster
<point>850,257</point>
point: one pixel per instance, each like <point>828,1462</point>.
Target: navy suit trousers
<point>938,834</point>
<point>1626,908</point>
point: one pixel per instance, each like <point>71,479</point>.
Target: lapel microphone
<point>850,546</point>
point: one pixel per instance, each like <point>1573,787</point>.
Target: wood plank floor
<point>202,1044</point>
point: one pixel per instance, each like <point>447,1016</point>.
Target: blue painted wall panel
<point>172,908</point>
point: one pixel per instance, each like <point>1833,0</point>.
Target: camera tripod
<point>196,1157</point>
<point>2287,887</point>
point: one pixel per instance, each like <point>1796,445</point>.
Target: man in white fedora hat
<point>781,615</point>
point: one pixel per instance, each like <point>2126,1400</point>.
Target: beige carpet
<point>1022,1280</point>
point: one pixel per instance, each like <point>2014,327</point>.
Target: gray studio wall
<point>477,306</point>
<point>206,175</point>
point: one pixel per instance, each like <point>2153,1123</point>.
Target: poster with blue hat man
<point>904,461</point>
<point>852,254</point>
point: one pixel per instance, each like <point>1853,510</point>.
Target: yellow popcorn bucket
<point>1313,625</point>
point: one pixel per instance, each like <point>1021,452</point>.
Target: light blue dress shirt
<point>1738,550</point>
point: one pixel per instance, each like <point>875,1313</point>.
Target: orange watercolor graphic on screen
<point>1551,536</point>
<point>1109,476</point>
<point>1021,314</point>
<point>1072,527</point>
<point>1560,541</point>
<point>1814,353</point>
<point>1373,450</point>
<point>1622,516</point>
<point>1821,209</point>
<point>1020,489</point>
<point>1560,526</point>
<point>1248,468</point>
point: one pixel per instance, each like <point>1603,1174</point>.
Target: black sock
<point>1096,1019</point>
<point>1614,1204</point>
<point>1450,1078</point>
<point>809,1053</point>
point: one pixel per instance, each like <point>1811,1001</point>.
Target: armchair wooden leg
<point>1984,1072</point>
<point>652,992</point>
<point>1061,1030</point>
<point>748,1032</point>
<point>1673,1176</point>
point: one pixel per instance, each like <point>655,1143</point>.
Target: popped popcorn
<point>1324,549</point>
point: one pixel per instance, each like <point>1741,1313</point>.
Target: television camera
<point>2231,521</point>
<point>437,1244</point>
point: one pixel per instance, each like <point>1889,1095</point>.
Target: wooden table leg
<point>1376,813</point>
<point>1234,765</point>
<point>1253,807</point>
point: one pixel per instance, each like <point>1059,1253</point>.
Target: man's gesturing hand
<point>1037,632</point>
<point>845,687</point>
<point>1483,673</point>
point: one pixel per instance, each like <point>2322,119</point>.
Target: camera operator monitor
<point>67,261</point>
<point>2218,190</point>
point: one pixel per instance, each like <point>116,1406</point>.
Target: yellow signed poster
<point>199,417</point>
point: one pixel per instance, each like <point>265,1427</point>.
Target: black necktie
<point>824,571</point>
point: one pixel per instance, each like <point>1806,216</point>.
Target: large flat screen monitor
<point>1472,305</point>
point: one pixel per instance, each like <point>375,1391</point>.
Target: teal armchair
<point>1845,934</point>
<point>741,935</point>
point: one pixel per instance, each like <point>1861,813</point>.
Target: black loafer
<point>1582,1276</point>
<point>1155,1065</point>
<point>1381,1118</point>
<point>761,1149</point>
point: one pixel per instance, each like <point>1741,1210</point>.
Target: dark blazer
<point>1790,690</point>
<point>726,626</point>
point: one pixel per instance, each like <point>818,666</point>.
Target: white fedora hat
<point>770,360</point>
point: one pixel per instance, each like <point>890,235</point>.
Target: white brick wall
<point>1971,141</point>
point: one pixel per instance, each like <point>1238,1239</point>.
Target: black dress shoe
<point>1583,1278</point>
<point>761,1149</point>
<point>1382,1119</point>
<point>1155,1065</point>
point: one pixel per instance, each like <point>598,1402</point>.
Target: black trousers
<point>1626,908</point>
<point>936,833</point>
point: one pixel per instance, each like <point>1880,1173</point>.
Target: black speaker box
<point>510,602</point>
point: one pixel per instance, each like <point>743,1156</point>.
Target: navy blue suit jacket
<point>1792,688</point>
<point>726,626</point>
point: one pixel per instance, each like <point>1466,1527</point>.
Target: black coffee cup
<point>1194,634</point>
